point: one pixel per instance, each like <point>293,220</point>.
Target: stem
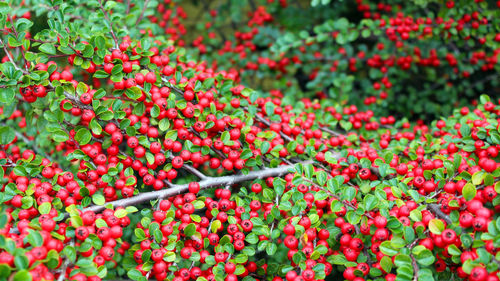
<point>32,145</point>
<point>110,23</point>
<point>10,57</point>
<point>344,202</point>
<point>440,214</point>
<point>65,265</point>
<point>415,268</point>
<point>128,7</point>
<point>268,124</point>
<point>142,12</point>
<point>264,121</point>
<point>22,51</point>
<point>209,182</point>
<point>191,169</point>
<point>331,132</point>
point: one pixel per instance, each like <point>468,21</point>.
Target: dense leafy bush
<point>125,155</point>
<point>415,59</point>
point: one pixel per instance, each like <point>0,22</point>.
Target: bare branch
<point>209,182</point>
<point>190,168</point>
<point>440,214</point>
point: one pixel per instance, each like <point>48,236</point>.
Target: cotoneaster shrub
<point>414,59</point>
<point>123,157</point>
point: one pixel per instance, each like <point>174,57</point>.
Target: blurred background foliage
<point>323,48</point>
<point>415,59</point>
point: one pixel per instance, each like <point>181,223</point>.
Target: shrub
<point>414,59</point>
<point>123,157</point>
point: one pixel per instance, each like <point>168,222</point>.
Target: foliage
<point>125,155</point>
<point>415,61</point>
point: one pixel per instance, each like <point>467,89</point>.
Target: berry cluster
<point>121,157</point>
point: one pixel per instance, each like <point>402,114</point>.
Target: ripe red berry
<point>194,187</point>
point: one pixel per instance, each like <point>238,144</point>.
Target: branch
<point>209,182</point>
<point>189,168</point>
<point>32,145</point>
<point>440,214</point>
<point>415,268</point>
<point>142,12</point>
<point>110,23</point>
<point>173,88</point>
<point>64,266</point>
<point>264,121</point>
<point>267,123</point>
<point>128,7</point>
<point>331,132</point>
<point>10,57</point>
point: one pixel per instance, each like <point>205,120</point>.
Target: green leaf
<point>321,177</point>
<point>453,250</point>
<point>425,257</point>
<point>98,199</point>
<point>247,153</point>
<point>23,275</point>
<point>23,24</point>
<point>21,262</point>
<point>478,177</point>
<point>95,126</point>
<point>135,274</point>
<point>35,238</point>
<point>120,213</point>
<point>133,93</point>
<point>60,136</point>
<point>81,88</point>
<point>4,269</point>
<point>155,111</point>
<point>436,226</point>
<point>465,130</point>
<point>370,202</point>
<point>140,234</point>
<point>264,148</point>
<point>349,193</point>
<point>271,249</point>
<point>386,263</point>
<point>190,230</point>
<point>83,136</point>
<point>4,8</point>
<point>401,260</point>
<point>7,135</point>
<point>469,192</point>
<point>387,248</point>
<point>48,48</point>
<point>7,95</point>
<point>241,258</point>
<point>425,274</point>
<point>216,224</point>
<point>44,208</point>
<point>70,252</point>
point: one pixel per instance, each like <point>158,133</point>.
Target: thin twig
<point>142,12</point>
<point>110,23</point>
<point>128,7</point>
<point>415,268</point>
<point>190,169</point>
<point>440,214</point>
<point>33,146</point>
<point>10,57</point>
